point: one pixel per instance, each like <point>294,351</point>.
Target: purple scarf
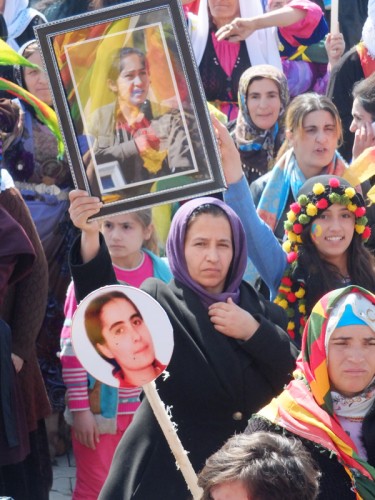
<point>176,252</point>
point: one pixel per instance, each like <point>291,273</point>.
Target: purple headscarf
<point>176,252</point>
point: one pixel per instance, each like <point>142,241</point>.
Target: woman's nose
<point>353,127</point>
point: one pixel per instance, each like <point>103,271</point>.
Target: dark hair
<point>269,465</point>
<point>117,64</point>
<point>364,91</point>
<point>92,319</point>
<point>300,107</point>
<point>321,277</point>
<point>206,208</point>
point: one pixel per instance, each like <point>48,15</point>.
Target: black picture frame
<point>184,160</point>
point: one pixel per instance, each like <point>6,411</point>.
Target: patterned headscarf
<point>305,407</point>
<point>315,196</point>
<point>248,136</point>
<point>176,252</point>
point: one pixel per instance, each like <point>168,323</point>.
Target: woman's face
<point>124,235</point>
<point>209,251</point>
<point>263,103</point>
<point>360,116</point>
<point>36,81</point>
<point>332,233</point>
<point>315,144</point>
<point>133,82</point>
<point>351,359</point>
<point>127,339</point>
<point>223,11</point>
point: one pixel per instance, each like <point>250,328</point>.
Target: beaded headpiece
<point>315,196</point>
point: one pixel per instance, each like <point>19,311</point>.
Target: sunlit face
<point>36,80</point>
<point>351,359</point>
<point>127,339</point>
<point>133,82</point>
<point>124,235</point>
<point>332,233</point>
<point>314,146</point>
<point>224,11</point>
<point>231,490</point>
<point>209,251</point>
<point>360,116</point>
<point>263,103</point>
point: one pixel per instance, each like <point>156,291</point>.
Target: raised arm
<point>263,248</point>
<point>241,28</point>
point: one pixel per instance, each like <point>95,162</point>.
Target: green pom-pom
<point>303,200</point>
<point>304,219</point>
<point>334,198</point>
<point>290,312</point>
<point>288,226</point>
<point>345,200</point>
<point>361,221</point>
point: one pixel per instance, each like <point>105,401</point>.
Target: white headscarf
<point>18,15</point>
<point>368,32</point>
<point>261,45</point>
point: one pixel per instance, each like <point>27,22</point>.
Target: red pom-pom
<point>322,204</point>
<point>291,257</point>
<point>286,281</point>
<point>334,183</point>
<point>291,334</point>
<point>302,321</point>
<point>366,233</point>
<point>290,297</point>
<point>297,228</point>
<point>360,212</point>
<point>295,207</point>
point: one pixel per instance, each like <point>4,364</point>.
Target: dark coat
<point>215,384</point>
<point>344,75</point>
<point>23,309</point>
<point>335,483</point>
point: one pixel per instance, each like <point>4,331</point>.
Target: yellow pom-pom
<point>287,247</point>
<point>350,192</point>
<point>359,228</point>
<point>292,236</point>
<point>311,210</point>
<point>318,188</point>
<point>300,293</point>
<point>291,216</point>
<point>291,325</point>
<point>351,207</point>
<point>283,303</point>
<point>302,309</point>
<point>299,239</point>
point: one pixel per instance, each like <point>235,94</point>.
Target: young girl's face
<point>332,232</point>
<point>124,235</point>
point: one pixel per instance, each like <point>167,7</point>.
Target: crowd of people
<point>269,286</point>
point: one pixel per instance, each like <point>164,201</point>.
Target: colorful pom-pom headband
<point>309,206</point>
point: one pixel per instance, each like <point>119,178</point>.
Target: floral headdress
<point>316,195</point>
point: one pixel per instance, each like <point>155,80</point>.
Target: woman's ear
<point>112,86</point>
<point>103,349</point>
<point>289,137</point>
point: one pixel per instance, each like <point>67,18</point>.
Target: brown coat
<point>24,309</point>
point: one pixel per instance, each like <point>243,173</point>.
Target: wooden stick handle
<point>173,440</point>
<point>335,17</point>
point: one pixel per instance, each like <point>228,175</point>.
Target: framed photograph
<point>131,105</point>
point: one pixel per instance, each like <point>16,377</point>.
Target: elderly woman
<point>329,406</point>
<point>221,64</point>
